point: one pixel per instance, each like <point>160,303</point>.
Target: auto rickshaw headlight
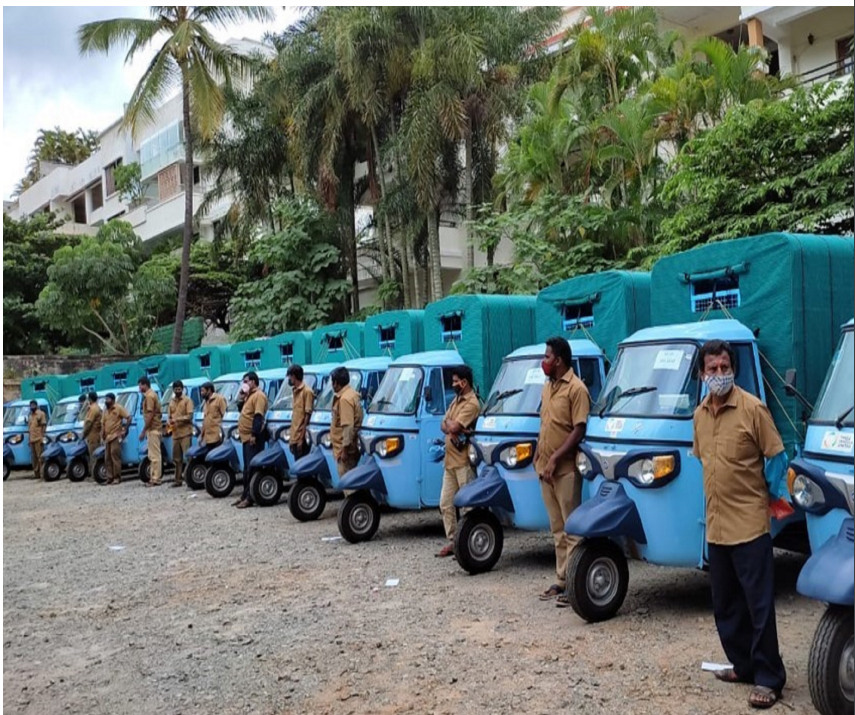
<point>233,434</point>
<point>196,431</point>
<point>15,439</point>
<point>474,457</point>
<point>807,493</point>
<point>583,464</point>
<point>650,472</point>
<point>388,447</point>
<point>326,440</point>
<point>67,437</point>
<point>516,456</point>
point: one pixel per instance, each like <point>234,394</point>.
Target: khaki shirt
<point>151,411</point>
<point>181,416</point>
<point>463,409</point>
<point>111,422</point>
<point>731,445</point>
<point>346,422</point>
<point>304,403</point>
<point>36,425</point>
<point>92,423</point>
<point>214,409</point>
<point>255,404</point>
<point>564,404</point>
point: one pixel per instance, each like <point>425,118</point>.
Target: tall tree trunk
<point>373,159</point>
<point>469,253</point>
<point>388,252</point>
<point>407,249</point>
<point>434,253</point>
<point>184,275</point>
<point>405,274</point>
<point>418,286</point>
<point>347,213</point>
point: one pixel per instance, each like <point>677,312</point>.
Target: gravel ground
<point>207,609</point>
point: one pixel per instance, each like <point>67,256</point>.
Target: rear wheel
<point>830,663</point>
<point>195,474</point>
<point>100,471</point>
<point>144,470</point>
<point>265,488</point>
<point>52,470</point>
<point>478,541</point>
<point>358,517</point>
<point>77,470</point>
<point>220,481</point>
<point>7,470</point>
<point>307,500</point>
<point>597,579</point>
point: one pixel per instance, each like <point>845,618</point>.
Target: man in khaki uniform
<point>744,463</point>
<point>253,413</point>
<point>457,425</point>
<point>36,426</point>
<point>564,408</point>
<point>303,403</point>
<point>152,428</point>
<point>92,427</point>
<point>213,410</point>
<point>113,430</point>
<point>181,423</point>
<point>346,421</point>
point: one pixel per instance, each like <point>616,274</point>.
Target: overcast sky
<point>46,83</point>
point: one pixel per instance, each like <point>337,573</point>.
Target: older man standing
<point>92,427</point>
<point>181,423</point>
<point>114,423</point>
<point>346,421</point>
<point>36,426</point>
<point>251,429</point>
<point>152,429</point>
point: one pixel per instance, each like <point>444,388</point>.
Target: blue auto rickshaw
<point>507,489</point>
<point>271,467</point>
<point>7,461</point>
<point>821,483</point>
<point>66,450</point>
<point>131,399</point>
<point>225,462</point>
<point>16,435</point>
<point>191,389</point>
<point>315,473</point>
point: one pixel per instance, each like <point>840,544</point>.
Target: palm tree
<point>191,58</point>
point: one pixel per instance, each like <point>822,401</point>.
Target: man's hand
<point>549,472</point>
<point>252,440</point>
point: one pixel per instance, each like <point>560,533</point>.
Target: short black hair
<point>252,376</point>
<point>110,396</point>
<point>177,383</point>
<point>561,348</point>
<point>33,402</point>
<point>340,376</point>
<point>716,347</point>
<point>93,397</point>
<point>296,371</point>
<point>82,398</point>
<point>463,372</point>
<point>144,381</point>
<point>208,386</point>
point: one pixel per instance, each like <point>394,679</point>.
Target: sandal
<point>563,601</point>
<point>728,675</point>
<point>551,592</point>
<point>762,697</point>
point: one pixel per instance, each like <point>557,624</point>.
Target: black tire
<point>144,471</point>
<point>7,470</point>
<point>220,481</point>
<point>478,541</point>
<point>830,662</point>
<point>307,500</point>
<point>597,579</point>
<point>194,474</point>
<point>99,474</point>
<point>265,488</point>
<point>77,469</point>
<point>358,517</point>
<point>51,470</point>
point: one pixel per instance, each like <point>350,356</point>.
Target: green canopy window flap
<point>452,326</point>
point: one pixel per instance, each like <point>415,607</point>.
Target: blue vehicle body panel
<point>312,466</point>
<point>609,513</point>
<point>366,476</point>
<point>226,453</point>
<point>829,574</point>
<point>488,490</point>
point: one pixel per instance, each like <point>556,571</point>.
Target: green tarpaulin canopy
<point>338,342</point>
<point>394,333</point>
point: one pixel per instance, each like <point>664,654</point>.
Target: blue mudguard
<point>54,451</point>
<point>366,476</point>
<point>610,513</point>
<point>78,449</point>
<point>198,450</point>
<point>828,574</point>
<point>99,452</point>
<point>314,464</point>
<point>488,489</point>
<point>272,457</point>
<point>224,453</point>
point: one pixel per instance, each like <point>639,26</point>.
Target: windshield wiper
<point>842,416</point>
<point>383,402</point>
<point>631,392</point>
<point>502,396</point>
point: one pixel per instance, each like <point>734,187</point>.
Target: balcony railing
<point>830,70</point>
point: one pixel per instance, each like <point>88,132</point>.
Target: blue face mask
<point>720,385</point>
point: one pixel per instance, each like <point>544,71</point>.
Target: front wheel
<point>7,470</point>
<point>597,579</point>
<point>52,470</point>
<point>100,471</point>
<point>830,663</point>
<point>220,481</point>
<point>478,541</point>
<point>265,488</point>
<point>77,470</point>
<point>307,500</point>
<point>195,473</point>
<point>358,517</point>
<point>144,471</point>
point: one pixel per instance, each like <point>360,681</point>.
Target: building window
<point>577,316</point>
<point>844,55</point>
<point>78,208</point>
<point>197,175</point>
<point>97,197</point>
<point>109,177</point>
<point>162,149</point>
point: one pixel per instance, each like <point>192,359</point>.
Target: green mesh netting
<point>191,337</point>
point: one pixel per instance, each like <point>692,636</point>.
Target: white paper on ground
<point>116,548</point>
<point>393,581</point>
<point>330,538</point>
<point>715,667</point>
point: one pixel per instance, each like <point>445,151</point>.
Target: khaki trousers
<point>452,479</point>
<point>36,449</point>
<point>344,465</point>
<point>560,499</point>
<point>180,445</point>
<point>93,443</point>
<point>154,457</point>
<point>113,460</point>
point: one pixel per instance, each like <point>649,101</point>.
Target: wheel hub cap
<point>78,469</point>
<point>220,480</point>
<point>602,581</point>
<point>308,499</point>
<point>481,542</point>
<point>198,475</point>
<point>847,670</point>
<point>360,519</point>
<point>268,487</point>
<point>53,470</point>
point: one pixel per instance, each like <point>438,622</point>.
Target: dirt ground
<point>130,600</point>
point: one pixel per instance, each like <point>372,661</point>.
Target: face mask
<point>720,385</point>
<point>546,366</point>
<point>244,387</point>
<point>458,389</point>
<point>290,382</point>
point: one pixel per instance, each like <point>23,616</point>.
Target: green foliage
<point>28,248</point>
<point>129,184</point>
<point>57,146</point>
<point>782,166</point>
<point>99,291</point>
<point>296,279</point>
